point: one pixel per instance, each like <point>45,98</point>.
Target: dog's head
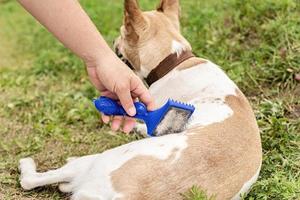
<point>149,37</point>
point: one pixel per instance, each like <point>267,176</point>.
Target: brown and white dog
<point>220,150</point>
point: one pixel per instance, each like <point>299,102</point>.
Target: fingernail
<point>126,129</point>
<point>114,127</point>
<point>105,120</point>
<point>131,111</point>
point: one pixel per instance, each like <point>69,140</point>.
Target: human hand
<point>107,73</point>
<point>115,80</point>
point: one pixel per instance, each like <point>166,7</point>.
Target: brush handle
<point>110,107</point>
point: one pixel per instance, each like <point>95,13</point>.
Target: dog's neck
<point>198,82</point>
<point>167,65</point>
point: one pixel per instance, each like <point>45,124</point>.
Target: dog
<point>219,150</point>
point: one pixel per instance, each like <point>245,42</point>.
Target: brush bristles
<point>174,121</point>
<point>185,106</point>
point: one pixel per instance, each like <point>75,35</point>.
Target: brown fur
<point>171,9</point>
<point>191,63</point>
<point>219,158</point>
<point>154,34</point>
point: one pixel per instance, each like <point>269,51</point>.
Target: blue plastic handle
<point>152,119</point>
<point>109,107</point>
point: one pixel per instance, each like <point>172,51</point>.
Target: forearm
<point>71,25</point>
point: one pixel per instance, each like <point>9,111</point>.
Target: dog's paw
<point>27,166</point>
<point>65,187</point>
<point>27,182</point>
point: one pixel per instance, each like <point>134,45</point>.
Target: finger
<point>105,118</point>
<point>129,124</point>
<point>147,99</point>
<point>116,123</point>
<point>109,94</point>
<point>126,100</point>
<point>144,96</point>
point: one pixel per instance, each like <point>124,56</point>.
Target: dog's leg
<point>67,187</point>
<point>86,195</point>
<point>31,179</point>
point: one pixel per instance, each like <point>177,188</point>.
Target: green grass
<point>45,107</point>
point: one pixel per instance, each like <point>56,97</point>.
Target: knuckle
<point>121,87</point>
<point>126,104</point>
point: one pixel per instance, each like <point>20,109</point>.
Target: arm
<point>71,25</point>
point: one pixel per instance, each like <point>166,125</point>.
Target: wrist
<point>99,58</point>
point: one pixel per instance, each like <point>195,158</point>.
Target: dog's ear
<point>170,8</point>
<point>134,20</point>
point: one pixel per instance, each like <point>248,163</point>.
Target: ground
<point>45,96</point>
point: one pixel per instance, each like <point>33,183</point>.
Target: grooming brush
<point>170,118</point>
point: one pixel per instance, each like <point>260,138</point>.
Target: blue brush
<point>170,118</point>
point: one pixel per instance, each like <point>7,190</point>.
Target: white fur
<point>246,187</point>
<point>205,86</point>
<point>89,177</point>
<point>177,47</point>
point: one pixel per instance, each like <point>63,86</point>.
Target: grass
<point>45,107</point>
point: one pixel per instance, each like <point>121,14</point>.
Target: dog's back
<point>220,150</point>
<point>221,156</point>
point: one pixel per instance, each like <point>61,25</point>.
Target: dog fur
<point>220,150</point>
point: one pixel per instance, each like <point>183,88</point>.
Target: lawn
<point>45,96</point>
